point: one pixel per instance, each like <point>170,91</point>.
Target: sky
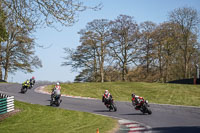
<point>142,10</point>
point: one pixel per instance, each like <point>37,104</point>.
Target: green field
<point>175,94</point>
<point>43,119</point>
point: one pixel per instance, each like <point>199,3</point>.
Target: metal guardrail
<point>6,103</point>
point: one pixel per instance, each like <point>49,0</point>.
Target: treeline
<point>123,50</point>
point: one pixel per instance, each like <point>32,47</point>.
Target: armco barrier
<point>6,103</point>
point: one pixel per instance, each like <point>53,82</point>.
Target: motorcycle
<point>111,105</point>
<point>31,86</point>
<point>32,82</point>
<point>55,100</point>
<point>143,106</point>
<point>25,87</point>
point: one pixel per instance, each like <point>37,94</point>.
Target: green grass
<point>175,94</point>
<point>43,119</point>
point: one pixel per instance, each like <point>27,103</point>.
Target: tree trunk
<point>102,73</point>
<point>147,58</point>
<point>6,74</point>
<point>7,61</point>
<point>0,55</point>
<point>160,61</point>
<point>102,69</point>
<point>102,61</point>
<point>167,64</point>
<point>185,57</point>
<point>95,67</point>
<point>123,75</point>
<point>124,71</point>
<point>0,63</point>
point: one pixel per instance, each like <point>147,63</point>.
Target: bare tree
<point>165,49</point>
<point>83,59</point>
<point>18,49</point>
<point>146,43</point>
<point>94,42</point>
<point>48,12</point>
<point>123,48</point>
<point>188,21</point>
<point>100,34</point>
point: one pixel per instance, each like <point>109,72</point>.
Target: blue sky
<point>142,10</point>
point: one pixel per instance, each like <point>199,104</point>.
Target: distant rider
<point>56,90</point>
<point>106,98</point>
<point>136,101</point>
<point>32,81</point>
<point>26,83</point>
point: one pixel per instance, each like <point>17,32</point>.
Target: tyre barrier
<point>6,103</point>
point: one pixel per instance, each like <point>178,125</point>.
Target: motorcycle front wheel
<point>23,90</point>
<point>149,111</point>
<point>57,103</point>
<point>114,107</point>
<point>51,102</point>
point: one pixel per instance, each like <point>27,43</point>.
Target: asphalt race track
<point>164,119</point>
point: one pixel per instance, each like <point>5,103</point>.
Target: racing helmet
<point>133,95</point>
<point>106,93</point>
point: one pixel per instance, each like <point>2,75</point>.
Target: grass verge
<point>43,119</point>
<point>176,94</point>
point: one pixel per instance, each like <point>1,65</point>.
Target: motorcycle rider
<point>56,91</point>
<point>27,82</point>
<point>25,86</point>
<point>136,101</point>
<point>32,81</point>
<point>106,98</point>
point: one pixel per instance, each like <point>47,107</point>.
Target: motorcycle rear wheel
<point>57,103</point>
<point>23,90</point>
